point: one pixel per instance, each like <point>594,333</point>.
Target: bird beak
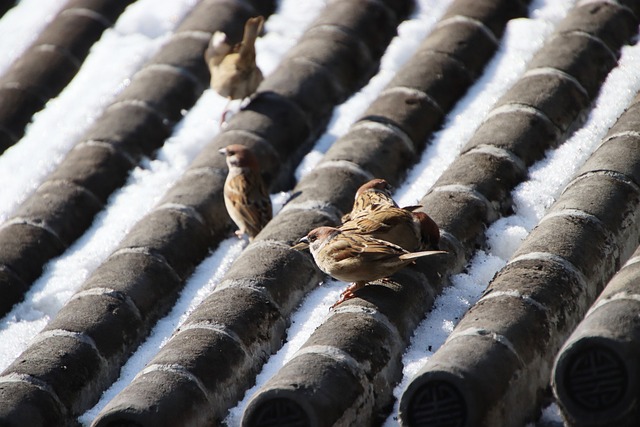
<point>223,151</point>
<point>302,244</point>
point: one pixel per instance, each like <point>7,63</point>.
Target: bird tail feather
<point>414,255</point>
<point>252,29</point>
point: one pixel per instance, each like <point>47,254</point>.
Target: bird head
<point>240,156</point>
<point>376,184</point>
<point>316,238</point>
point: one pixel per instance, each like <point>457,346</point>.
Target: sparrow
<point>371,195</point>
<point>412,231</point>
<point>356,258</point>
<point>376,214</point>
<point>234,73</point>
<point>245,193</point>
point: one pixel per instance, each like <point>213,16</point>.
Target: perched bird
<point>376,214</point>
<point>234,73</point>
<point>371,195</point>
<point>411,230</point>
<point>245,193</point>
<point>356,258</point>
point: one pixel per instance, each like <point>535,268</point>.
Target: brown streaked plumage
<point>376,214</point>
<point>245,193</point>
<point>371,195</point>
<point>234,73</point>
<point>411,230</point>
<point>357,258</point>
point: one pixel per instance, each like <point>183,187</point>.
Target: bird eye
<point>312,238</point>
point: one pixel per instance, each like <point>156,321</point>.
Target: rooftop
<point>126,298</point>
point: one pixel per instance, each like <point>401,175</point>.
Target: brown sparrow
<point>371,195</point>
<point>234,73</point>
<point>412,231</point>
<point>356,258</point>
<point>245,193</point>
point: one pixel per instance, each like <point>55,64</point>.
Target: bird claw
<point>343,298</point>
<point>346,295</point>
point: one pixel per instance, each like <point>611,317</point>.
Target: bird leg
<point>223,117</point>
<point>348,293</point>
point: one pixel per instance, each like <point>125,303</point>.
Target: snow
<point>523,37</point>
<point>212,269</point>
<point>20,26</point>
<point>139,32</point>
<point>206,277</point>
<point>547,178</point>
<point>410,34</point>
<point>97,82</point>
<point>57,128</point>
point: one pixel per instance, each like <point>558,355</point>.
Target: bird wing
<point>253,204</point>
<point>262,202</point>
<point>355,245</point>
<point>380,249</point>
<point>364,225</point>
<point>342,249</point>
<point>390,216</point>
<point>379,220</point>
